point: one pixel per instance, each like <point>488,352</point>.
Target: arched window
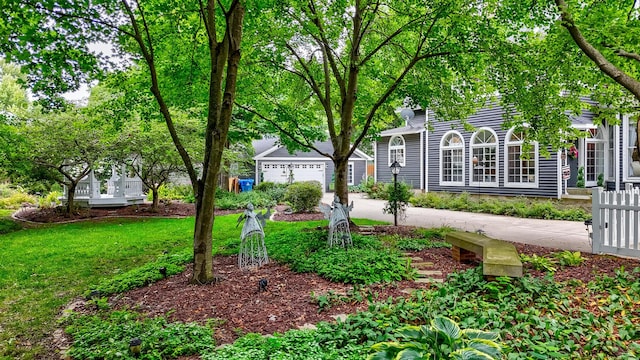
<point>484,158</point>
<point>521,167</point>
<point>397,150</point>
<point>452,159</point>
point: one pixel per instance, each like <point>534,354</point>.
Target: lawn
<point>42,269</point>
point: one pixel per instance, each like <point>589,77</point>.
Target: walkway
<point>568,235</point>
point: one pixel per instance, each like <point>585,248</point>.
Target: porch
<point>121,190</point>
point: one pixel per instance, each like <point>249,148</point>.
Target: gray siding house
<point>443,156</point>
<point>274,163</point>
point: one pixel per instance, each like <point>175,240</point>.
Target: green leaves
<point>443,338</point>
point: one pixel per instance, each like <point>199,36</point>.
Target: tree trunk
<point>203,239</point>
<point>221,98</point>
<point>155,199</point>
<point>71,194</point>
<point>342,187</point>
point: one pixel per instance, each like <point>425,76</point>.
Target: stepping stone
<point>415,258</point>
<point>308,326</point>
<point>408,291</point>
<point>426,273</point>
<point>428,280</point>
<point>341,317</point>
<point>422,264</point>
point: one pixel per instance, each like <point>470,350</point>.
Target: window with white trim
<point>521,168</point>
<point>350,174</point>
<point>484,158</point>
<point>452,159</point>
<point>397,150</point>
<point>594,155</point>
<point>632,155</point>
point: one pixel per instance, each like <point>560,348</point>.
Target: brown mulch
<point>165,209</point>
<point>238,307</point>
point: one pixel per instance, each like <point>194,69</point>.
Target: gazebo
<point>121,190</point>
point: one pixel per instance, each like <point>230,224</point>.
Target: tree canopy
<point>335,69</point>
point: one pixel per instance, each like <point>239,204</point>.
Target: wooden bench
<point>499,258</point>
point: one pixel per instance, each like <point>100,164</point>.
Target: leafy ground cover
<point>509,206</point>
<point>588,310</point>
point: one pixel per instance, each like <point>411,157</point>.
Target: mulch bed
<point>238,307</point>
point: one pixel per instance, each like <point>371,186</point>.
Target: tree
<point>615,51</point>
<point>147,150</point>
<point>544,76</point>
<point>62,147</point>
<point>326,69</point>
<point>195,43</point>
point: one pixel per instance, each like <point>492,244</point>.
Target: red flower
<point>573,152</point>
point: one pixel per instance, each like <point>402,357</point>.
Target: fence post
<point>596,238</point>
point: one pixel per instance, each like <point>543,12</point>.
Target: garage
<point>279,172</point>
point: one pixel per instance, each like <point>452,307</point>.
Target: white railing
<point>133,187</point>
<point>616,222</point>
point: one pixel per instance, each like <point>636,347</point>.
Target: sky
<point>82,94</point>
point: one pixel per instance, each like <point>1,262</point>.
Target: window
<point>350,174</point>
<point>397,150</point>
<point>452,159</point>
<point>484,158</point>
<point>632,149</point>
<point>521,168</point>
<point>594,155</point>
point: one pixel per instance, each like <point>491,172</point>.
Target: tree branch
<point>155,89</point>
<point>307,143</point>
<point>596,56</point>
<point>628,55</point>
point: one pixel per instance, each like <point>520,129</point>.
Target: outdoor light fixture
<point>395,167</point>
<point>163,271</point>
<point>395,170</point>
<point>135,346</point>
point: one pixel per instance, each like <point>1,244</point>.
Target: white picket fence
<point>616,222</point>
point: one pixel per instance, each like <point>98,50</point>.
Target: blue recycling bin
<point>246,184</point>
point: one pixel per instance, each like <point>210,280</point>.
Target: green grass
<point>42,269</point>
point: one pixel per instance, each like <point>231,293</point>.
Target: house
<point>443,156</point>
<point>274,163</point>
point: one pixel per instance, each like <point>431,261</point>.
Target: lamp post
<point>395,170</point>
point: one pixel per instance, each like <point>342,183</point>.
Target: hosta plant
<point>569,258</point>
<point>442,339</point>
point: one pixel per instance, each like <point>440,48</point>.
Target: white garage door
<point>279,172</point>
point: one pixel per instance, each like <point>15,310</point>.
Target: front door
<point>594,159</point>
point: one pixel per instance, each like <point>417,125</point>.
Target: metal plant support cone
<point>253,252</point>
<point>339,233</point>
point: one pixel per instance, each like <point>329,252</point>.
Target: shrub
<point>273,190</point>
<point>13,198</point>
<point>52,199</point>
<point>398,198</point>
<point>232,201</point>
<point>303,196</point>
<point>580,179</point>
<point>374,190</point>
<point>174,192</point>
<point>517,206</point>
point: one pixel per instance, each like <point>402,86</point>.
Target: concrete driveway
<point>566,235</point>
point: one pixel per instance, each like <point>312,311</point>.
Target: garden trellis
<point>253,252</point>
